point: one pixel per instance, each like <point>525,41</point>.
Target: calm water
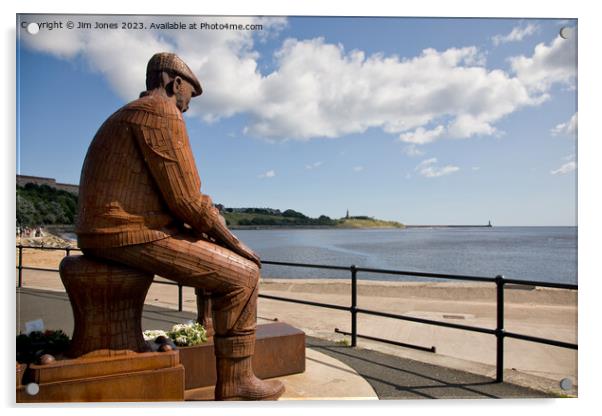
<point>530,253</point>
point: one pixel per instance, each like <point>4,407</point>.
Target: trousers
<point>232,280</point>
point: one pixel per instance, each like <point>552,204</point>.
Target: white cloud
<point>319,89</point>
<point>268,174</point>
<point>332,93</point>
<point>358,168</point>
<point>567,167</point>
<point>568,128</point>
<point>223,60</point>
<point>553,63</point>
<point>412,150</point>
<point>314,165</point>
<point>422,136</point>
<point>429,169</point>
<point>517,34</point>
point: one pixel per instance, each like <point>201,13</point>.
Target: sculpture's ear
<point>177,84</point>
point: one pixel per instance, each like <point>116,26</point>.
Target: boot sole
<point>273,396</point>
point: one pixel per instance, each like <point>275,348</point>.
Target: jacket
<point>139,181</point>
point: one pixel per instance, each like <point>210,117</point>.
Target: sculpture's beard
<point>182,104</point>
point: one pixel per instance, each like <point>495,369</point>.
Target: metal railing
<point>500,282</point>
<point>68,251</point>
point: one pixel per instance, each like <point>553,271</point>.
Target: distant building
<point>23,180</point>
<point>347,216</point>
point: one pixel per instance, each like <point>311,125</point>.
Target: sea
<point>546,254</point>
<point>527,253</point>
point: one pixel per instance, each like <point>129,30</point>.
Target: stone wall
<point>22,180</point>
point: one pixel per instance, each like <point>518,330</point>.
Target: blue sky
<point>411,119</point>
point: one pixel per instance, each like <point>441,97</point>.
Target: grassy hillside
<point>43,205</point>
<point>265,217</point>
<point>368,223</point>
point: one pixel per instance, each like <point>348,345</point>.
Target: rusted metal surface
<point>140,205</point>
<point>107,301</point>
<point>108,378</point>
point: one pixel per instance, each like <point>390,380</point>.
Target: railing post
<point>499,330</point>
<point>353,306</point>
<point>179,297</point>
<point>20,284</point>
<point>67,251</point>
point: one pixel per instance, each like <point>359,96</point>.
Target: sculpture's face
<point>183,92</point>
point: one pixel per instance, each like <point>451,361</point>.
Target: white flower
<point>152,334</point>
<point>189,334</point>
<point>181,340</point>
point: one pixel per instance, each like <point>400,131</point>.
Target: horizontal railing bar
<point>388,341</point>
<point>306,302</point>
<point>384,271</point>
<point>427,321</point>
<point>38,269</point>
<point>377,313</point>
<point>427,274</point>
<point>542,284</point>
<point>309,265</point>
<point>162,282</point>
<point>541,340</point>
<point>51,248</point>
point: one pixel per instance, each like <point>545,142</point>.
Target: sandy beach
<point>542,312</point>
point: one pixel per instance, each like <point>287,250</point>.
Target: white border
<point>589,210</point>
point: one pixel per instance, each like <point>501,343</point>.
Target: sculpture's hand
<point>247,253</point>
<point>224,236</point>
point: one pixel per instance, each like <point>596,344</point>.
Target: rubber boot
<point>237,381</point>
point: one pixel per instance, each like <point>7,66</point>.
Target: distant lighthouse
<point>347,216</point>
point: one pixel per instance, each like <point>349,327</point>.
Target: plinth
<point>107,377</point>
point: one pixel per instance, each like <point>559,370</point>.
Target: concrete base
<point>325,378</point>
<point>279,351</point>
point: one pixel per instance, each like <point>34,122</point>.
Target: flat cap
<point>170,62</point>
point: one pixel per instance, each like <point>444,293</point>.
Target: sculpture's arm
<point>167,153</point>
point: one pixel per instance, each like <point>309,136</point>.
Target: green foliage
<point>43,205</point>
<point>267,217</point>
<point>292,213</point>
<point>31,347</point>
<point>273,218</point>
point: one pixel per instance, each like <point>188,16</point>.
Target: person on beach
<point>140,204</point>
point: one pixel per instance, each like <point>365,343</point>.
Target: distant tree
<point>293,213</point>
<point>27,214</point>
<point>43,205</point>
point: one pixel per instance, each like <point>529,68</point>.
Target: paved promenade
<point>547,313</point>
<point>334,371</point>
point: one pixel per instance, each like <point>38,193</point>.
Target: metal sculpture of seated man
<point>140,205</point>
